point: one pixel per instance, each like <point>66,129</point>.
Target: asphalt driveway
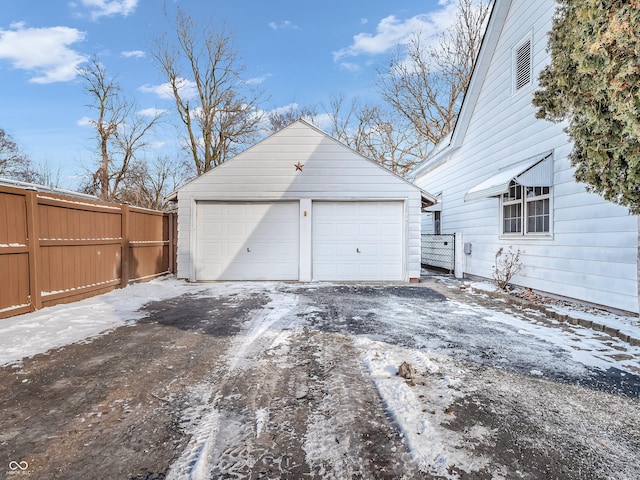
<point>277,380</point>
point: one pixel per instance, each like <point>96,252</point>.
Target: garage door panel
<point>367,240</point>
<point>237,229</point>
<point>247,241</point>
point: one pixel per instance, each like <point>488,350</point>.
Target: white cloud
<point>285,24</point>
<point>44,52</point>
<point>187,89</point>
<point>392,32</point>
<point>157,145</point>
<point>107,8</point>
<point>350,67</point>
<point>323,121</point>
<point>133,54</point>
<point>258,80</point>
<point>285,109</point>
<point>85,122</point>
<point>152,112</point>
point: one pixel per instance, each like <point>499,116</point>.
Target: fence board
<point>13,210</point>
<point>15,293</point>
<point>57,249</point>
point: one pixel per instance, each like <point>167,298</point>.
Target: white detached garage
<point>299,206</point>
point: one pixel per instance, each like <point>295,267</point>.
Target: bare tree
<point>425,84</point>
<point>46,174</point>
<point>120,131</point>
<point>373,133</point>
<point>215,104</point>
<point>152,182</point>
<point>278,119</point>
<point>14,163</point>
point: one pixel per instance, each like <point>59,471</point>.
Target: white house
<point>299,205</point>
<point>503,177</point>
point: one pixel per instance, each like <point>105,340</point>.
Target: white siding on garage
<point>330,172</point>
<point>591,252</point>
<point>357,241</point>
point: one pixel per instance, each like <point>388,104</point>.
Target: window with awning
<point>524,190</point>
<point>534,172</point>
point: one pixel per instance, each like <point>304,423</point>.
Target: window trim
<point>524,219</point>
<point>527,202</point>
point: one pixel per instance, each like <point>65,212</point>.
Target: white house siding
<point>592,252</point>
<point>331,172</point>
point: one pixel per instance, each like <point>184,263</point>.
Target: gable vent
<point>523,65</point>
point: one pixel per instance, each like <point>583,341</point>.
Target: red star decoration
<point>298,167</point>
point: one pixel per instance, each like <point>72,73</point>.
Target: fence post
<point>171,219</point>
<point>459,261</point>
<point>125,250</point>
<point>33,236</point>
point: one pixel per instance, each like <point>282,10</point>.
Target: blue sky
<point>298,52</point>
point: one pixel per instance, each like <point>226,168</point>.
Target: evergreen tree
<point>593,83</point>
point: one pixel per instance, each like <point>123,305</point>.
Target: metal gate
<point>439,251</point>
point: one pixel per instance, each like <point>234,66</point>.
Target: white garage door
<point>357,240</point>
<point>247,241</point>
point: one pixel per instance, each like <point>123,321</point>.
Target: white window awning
<point>534,172</point>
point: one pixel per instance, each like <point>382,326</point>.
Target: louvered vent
<point>523,65</point>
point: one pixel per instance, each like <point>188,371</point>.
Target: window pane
<point>514,193</point>
<point>512,218</point>
<point>538,216</point>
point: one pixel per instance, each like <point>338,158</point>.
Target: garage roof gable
<point>300,161</point>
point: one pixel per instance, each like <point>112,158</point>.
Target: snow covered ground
<point>38,332</point>
<point>464,354</point>
<point>626,324</point>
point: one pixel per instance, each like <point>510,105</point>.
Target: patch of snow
<point>202,422</point>
<point>37,332</point>
<point>54,292</point>
<point>213,431</point>
<point>13,307</point>
<point>434,447</point>
<point>586,352</point>
<point>628,325</point>
<point>484,286</point>
<point>262,420</point>
<point>625,324</point>
<point>260,334</point>
<point>75,202</point>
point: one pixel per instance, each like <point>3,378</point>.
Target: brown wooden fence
<point>58,249</point>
